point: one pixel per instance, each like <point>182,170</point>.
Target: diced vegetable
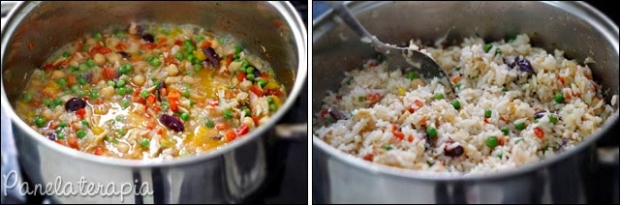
<point>505,130</point>
<point>210,124</point>
<point>184,116</point>
<point>488,113</point>
<point>432,132</point>
<point>39,121</point>
<point>520,126</point>
<point>145,143</point>
<point>228,114</point>
<point>412,75</point>
<point>492,142</point>
<point>539,132</point>
<point>559,97</point>
<point>80,134</point>
<point>438,96</point>
<point>553,119</point>
<point>27,97</point>
<point>488,47</point>
<point>456,104</point>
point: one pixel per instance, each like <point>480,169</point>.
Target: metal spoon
<point>397,57</point>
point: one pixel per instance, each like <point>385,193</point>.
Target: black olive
<point>256,73</point>
<point>75,104</point>
<point>161,85</point>
<point>212,57</point>
<point>455,152</point>
<point>148,38</point>
<point>539,114</point>
<point>525,65</point>
<point>52,136</point>
<point>336,114</point>
<point>125,54</point>
<point>172,123</point>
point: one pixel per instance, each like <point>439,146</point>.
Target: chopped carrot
<point>98,151</point>
<point>109,73</point>
<point>205,44</point>
<point>53,125</point>
<point>81,112</point>
<point>243,129</point>
<point>562,80</point>
<point>150,99</point>
<point>373,97</point>
<point>500,141</point>
<point>241,76</point>
<point>539,133</point>
<point>99,101</point>
<point>48,67</point>
<point>228,94</point>
<point>61,142</point>
<point>148,46</point>
<point>156,108</point>
<point>456,78</point>
<point>230,135</point>
<point>178,42</point>
<point>150,125</point>
<point>369,157</point>
<point>104,50</point>
<point>486,120</point>
<point>121,46</point>
<point>394,127</point>
<point>399,135</point>
<point>410,138</point>
<point>71,80</point>
<point>72,140</point>
<point>419,103</point>
<point>160,131</point>
<point>221,126</point>
<point>256,91</point>
<point>256,119</point>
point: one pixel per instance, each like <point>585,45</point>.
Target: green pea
<point>387,147</point>
<point>111,83</point>
<point>82,81</point>
<point>250,77</point>
<point>47,102</point>
<point>236,56</point>
<point>81,93</point>
<point>156,63</point>
<point>66,54</point>
<point>94,94</point>
<point>90,63</point>
<point>432,132</point>
<point>63,124</point>
<point>73,69</point>
<point>150,58</point>
<point>249,70</point>
<point>60,136</point>
<point>144,94</point>
<point>197,67</point>
<point>273,107</point>
<point>412,75</point>
<point>262,82</point>
<point>145,143</point>
<point>185,93</point>
<point>492,142</point>
<point>245,63</point>
<point>125,103</point>
<point>80,134</point>
<point>457,68</point>
<point>559,97</point>
<point>83,67</point>
<point>505,89</point>
<point>85,123</point>
<point>242,69</point>
<point>57,102</point>
<point>238,49</point>
<point>505,130</point>
<point>39,121</point>
<point>184,116</point>
<point>125,69</point>
<point>200,38</point>
<point>228,114</point>
<point>438,96</point>
<point>210,124</point>
<point>119,118</point>
<point>247,111</point>
<point>553,119</point>
<point>488,113</point>
<point>459,85</point>
<point>269,99</point>
<point>27,97</point>
<point>97,36</point>
<point>520,126</point>
<point>85,48</point>
<point>456,104</point>
<point>179,56</point>
<point>62,82</point>
<point>488,47</point>
<point>120,83</point>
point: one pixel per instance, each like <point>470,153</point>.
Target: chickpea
<point>58,74</point>
<point>245,85</point>
<point>107,91</point>
<point>415,83</point>
<point>122,147</point>
<point>188,79</point>
<point>47,114</point>
<point>172,70</point>
<point>138,80</point>
<point>99,59</point>
<point>113,57</point>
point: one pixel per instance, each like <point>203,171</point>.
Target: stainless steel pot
<point>575,27</point>
<point>230,174</point>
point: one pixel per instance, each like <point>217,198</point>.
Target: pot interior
<point>46,26</point>
<point>563,26</point>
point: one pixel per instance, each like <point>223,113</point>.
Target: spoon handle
<point>343,12</point>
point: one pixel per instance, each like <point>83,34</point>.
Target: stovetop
<point>286,184</point>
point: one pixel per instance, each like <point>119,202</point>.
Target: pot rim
<point>293,20</point>
<point>585,12</point>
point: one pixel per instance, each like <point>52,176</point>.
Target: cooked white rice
<point>486,82</point>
